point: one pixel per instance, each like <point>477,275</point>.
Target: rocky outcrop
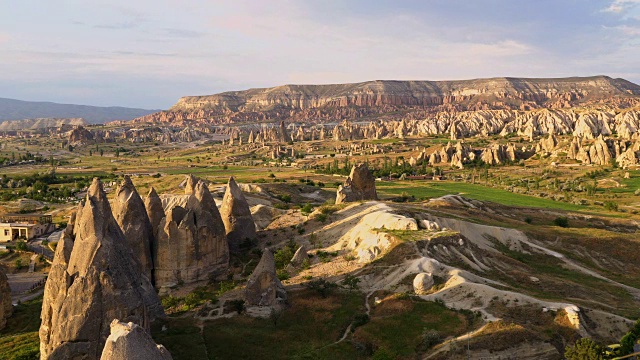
<point>130,213</point>
<point>422,283</point>
<point>236,216</point>
<point>80,136</point>
<point>547,144</point>
<point>264,215</point>
<point>6,308</point>
<point>263,287</point>
<point>629,156</point>
<point>300,256</point>
<point>191,241</point>
<point>129,341</point>
<point>599,152</point>
<point>93,280</point>
<point>360,185</point>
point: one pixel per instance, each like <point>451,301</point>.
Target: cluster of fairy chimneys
<point>183,238</point>
<point>100,300</point>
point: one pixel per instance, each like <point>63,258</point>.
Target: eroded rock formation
<point>93,280</point>
<point>263,287</point>
<point>130,213</point>
<point>155,211</point>
<point>360,185</point>
<point>191,241</point>
<point>80,136</point>
<point>129,341</point>
<point>236,216</point>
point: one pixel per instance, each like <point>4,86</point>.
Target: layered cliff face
<point>94,279</point>
<point>340,101</point>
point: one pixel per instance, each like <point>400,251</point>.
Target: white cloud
<point>619,6</point>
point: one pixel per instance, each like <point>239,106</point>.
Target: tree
<point>351,282</point>
<point>584,349</point>
<point>22,246</point>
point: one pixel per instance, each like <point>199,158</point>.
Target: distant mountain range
<point>390,98</point>
<point>11,109</point>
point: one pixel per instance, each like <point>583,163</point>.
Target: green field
<point>429,189</point>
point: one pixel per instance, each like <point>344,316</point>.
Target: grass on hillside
<point>398,325</point>
<point>19,339</point>
<point>309,328</point>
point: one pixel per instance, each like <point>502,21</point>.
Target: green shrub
<point>306,209</point>
<point>611,205</point>
<point>584,349</point>
<point>561,221</point>
<point>322,287</point>
<point>21,245</point>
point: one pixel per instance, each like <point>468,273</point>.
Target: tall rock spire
<point>131,214</point>
<point>236,216</point>
<point>98,282</point>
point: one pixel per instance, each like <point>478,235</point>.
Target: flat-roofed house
<point>24,226</point>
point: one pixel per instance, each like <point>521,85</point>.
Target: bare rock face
<point>264,288</point>
<point>191,241</point>
<point>360,185</point>
<point>129,341</point>
<point>5,300</point>
<point>130,213</point>
<point>93,280</point>
<point>236,216</point>
<point>155,211</point>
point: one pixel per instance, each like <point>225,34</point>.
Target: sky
<point>149,53</point>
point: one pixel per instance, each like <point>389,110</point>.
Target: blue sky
<point>147,53</point>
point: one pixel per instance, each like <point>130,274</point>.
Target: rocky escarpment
<point>191,238</point>
<point>129,341</point>
<point>39,123</point>
<point>6,308</point>
<point>93,280</point>
<point>329,101</point>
